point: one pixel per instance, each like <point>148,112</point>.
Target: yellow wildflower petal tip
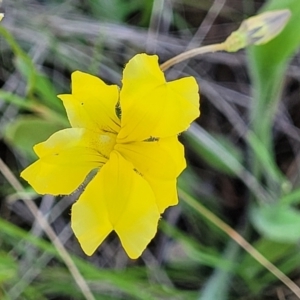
<point>258,30</point>
<point>153,107</point>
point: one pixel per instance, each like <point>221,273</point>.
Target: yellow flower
<point>130,137</point>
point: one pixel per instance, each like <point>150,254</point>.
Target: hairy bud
<point>258,30</point>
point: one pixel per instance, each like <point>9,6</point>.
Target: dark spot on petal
<point>118,110</point>
<point>152,139</point>
<point>136,171</point>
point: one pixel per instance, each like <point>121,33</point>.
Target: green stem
<point>191,53</point>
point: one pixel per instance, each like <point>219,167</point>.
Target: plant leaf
<point>27,131</point>
<point>278,223</point>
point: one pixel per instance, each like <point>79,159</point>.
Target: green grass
<point>242,153</point>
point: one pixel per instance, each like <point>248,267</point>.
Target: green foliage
<point>277,222</point>
<point>28,131</point>
<point>268,64</point>
<point>283,255</point>
<point>57,280</point>
<point>242,182</point>
<point>38,85</point>
<point>119,11</point>
<point>219,153</point>
<point>8,267</point>
<point>221,278</point>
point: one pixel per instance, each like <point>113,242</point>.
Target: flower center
<point>106,143</point>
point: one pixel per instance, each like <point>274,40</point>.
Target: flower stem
<point>257,30</point>
<point>191,53</point>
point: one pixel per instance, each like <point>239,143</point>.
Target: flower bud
<point>258,30</point>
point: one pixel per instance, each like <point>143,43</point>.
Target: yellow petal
<point>92,103</point>
<point>89,218</point>
<point>175,150</point>
<point>117,199</point>
<point>160,163</point>
<point>65,160</point>
<point>137,222</point>
<point>163,159</point>
<point>165,192</point>
<point>151,107</point>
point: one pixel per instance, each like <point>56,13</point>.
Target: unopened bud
<point>258,30</point>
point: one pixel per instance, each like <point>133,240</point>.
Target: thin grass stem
<point>233,234</point>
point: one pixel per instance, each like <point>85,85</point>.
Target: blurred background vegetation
<point>243,152</point>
